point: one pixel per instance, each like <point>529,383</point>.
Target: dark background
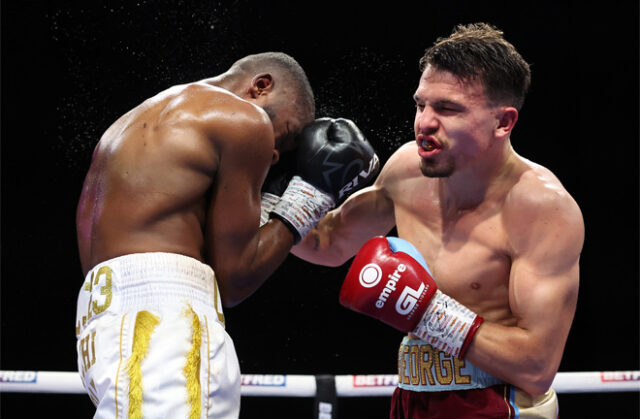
<point>70,69</point>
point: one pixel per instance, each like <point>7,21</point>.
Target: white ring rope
<point>305,385</point>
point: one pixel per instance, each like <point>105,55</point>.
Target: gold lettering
<point>88,352</point>
<point>405,351</point>
<point>93,347</point>
<point>443,365</point>
<point>86,318</point>
<point>458,364</point>
<point>414,365</point>
<point>104,290</point>
<point>88,286</point>
<point>84,350</point>
<point>425,364</point>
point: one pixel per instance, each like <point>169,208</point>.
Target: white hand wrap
<point>446,324</point>
<point>302,206</point>
<point>267,203</point>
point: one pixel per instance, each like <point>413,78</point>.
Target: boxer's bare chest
<point>467,251</point>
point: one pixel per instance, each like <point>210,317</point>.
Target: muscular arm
<point>243,255</point>
<point>343,231</point>
<point>546,232</point>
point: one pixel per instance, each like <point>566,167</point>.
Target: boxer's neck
<point>470,186</point>
<point>234,83</point>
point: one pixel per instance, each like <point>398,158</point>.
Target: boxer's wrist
<point>302,206</point>
<point>267,203</point>
<point>472,331</point>
<point>448,325</point>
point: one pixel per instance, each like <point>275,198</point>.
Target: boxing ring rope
<point>275,385</point>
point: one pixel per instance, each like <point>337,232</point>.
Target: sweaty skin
<point>181,173</point>
<point>500,233</point>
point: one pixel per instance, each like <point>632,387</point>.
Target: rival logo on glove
<point>373,167</point>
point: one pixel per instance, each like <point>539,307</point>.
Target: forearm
<point>320,246</point>
<point>515,356</point>
<point>248,272</point>
<point>343,231</point>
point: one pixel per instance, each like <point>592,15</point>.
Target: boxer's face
<point>287,125</point>
<point>454,122</point>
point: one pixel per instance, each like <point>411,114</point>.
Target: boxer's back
<point>148,186</point>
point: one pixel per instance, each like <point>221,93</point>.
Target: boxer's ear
<point>275,157</point>
<point>506,119</point>
<point>261,85</point>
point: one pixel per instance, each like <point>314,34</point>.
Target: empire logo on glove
<point>390,286</point>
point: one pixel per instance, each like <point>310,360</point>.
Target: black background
<point>70,69</point>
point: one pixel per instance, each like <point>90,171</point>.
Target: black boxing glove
<point>334,159</point>
<point>334,156</point>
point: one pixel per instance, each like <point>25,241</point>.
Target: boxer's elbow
<point>331,260</point>
<point>537,378</point>
<point>319,251</point>
<point>233,291</point>
<point>230,300</point>
<point>536,388</point>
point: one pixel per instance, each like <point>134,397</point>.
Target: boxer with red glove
<point>390,281</point>
<point>333,160</point>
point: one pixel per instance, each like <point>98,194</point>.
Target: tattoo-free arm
<point>546,232</point>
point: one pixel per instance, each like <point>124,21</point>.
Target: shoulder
<point>406,152</point>
<point>539,213</point>
<point>224,115</point>
<point>239,132</point>
<point>539,192</point>
<point>403,164</point>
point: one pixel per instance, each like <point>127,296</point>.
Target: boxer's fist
<point>390,281</point>
<point>335,157</point>
<point>276,183</point>
<point>333,161</point>
<point>386,281</point>
<point>280,174</point>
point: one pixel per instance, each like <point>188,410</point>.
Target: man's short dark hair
<point>479,51</point>
<point>288,69</point>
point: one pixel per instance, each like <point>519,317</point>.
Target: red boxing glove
<point>392,287</point>
<point>390,281</point>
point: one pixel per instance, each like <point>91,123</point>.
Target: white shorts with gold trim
<point>151,340</point>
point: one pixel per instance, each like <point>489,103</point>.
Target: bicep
<point>543,303</point>
<point>545,270</point>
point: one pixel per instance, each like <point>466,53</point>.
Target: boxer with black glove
<point>334,159</point>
